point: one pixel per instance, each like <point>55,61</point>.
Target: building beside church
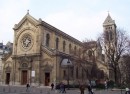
<point>43,54</point>
<point>4,50</point>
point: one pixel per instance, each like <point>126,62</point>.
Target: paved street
<point>47,90</point>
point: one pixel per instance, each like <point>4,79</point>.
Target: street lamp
<point>68,63</point>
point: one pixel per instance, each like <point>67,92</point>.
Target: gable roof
<point>26,17</point>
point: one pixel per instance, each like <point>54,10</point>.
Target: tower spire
<point>108,12</point>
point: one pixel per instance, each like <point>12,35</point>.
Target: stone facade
<point>43,54</point>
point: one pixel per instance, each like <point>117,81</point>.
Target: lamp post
<point>68,62</point>
<point>56,70</point>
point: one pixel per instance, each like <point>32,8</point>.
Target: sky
<point>81,19</point>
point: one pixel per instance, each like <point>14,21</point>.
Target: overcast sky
<point>82,19</point>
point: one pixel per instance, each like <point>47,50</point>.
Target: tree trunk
<point>115,75</point>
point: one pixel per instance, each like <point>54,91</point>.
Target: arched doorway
<point>8,71</point>
<point>47,72</point>
<point>24,73</point>
<point>24,77</point>
<point>7,81</point>
<point>47,78</point>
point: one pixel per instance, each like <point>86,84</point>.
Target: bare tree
<point>114,48</point>
<point>125,69</point>
<point>87,59</point>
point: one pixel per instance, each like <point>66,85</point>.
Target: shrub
<point>100,86</point>
<point>110,84</point>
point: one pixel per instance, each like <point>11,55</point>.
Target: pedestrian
<point>90,89</point>
<point>105,83</point>
<point>27,86</point>
<point>64,90</point>
<point>61,87</point>
<point>82,88</point>
<point>52,86</point>
<point>127,91</point>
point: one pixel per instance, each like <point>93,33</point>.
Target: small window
<point>69,48</point>
<point>110,35</point>
<point>57,43</point>
<point>64,44</point>
<point>75,48</point>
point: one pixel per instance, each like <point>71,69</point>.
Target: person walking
<point>127,91</point>
<point>82,88</point>
<point>27,87</point>
<point>52,86</point>
<point>64,90</point>
<point>105,83</point>
<point>61,87</point>
<point>90,89</point>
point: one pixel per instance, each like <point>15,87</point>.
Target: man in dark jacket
<point>27,86</point>
<point>89,89</point>
<point>52,86</point>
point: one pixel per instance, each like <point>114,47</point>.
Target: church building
<point>43,54</point>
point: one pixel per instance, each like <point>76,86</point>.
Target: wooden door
<point>24,77</point>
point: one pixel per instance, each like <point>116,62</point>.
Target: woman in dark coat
<point>82,88</point>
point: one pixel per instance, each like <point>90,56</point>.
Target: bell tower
<point>110,41</point>
<point>109,28</point>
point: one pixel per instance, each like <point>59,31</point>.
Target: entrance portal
<point>47,79</point>
<point>7,78</point>
<point>24,77</point>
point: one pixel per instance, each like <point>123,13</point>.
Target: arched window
<point>107,35</point>
<point>110,35</point>
<point>47,40</point>
<point>75,50</point>
<point>57,43</point>
<point>69,48</point>
<point>64,44</point>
